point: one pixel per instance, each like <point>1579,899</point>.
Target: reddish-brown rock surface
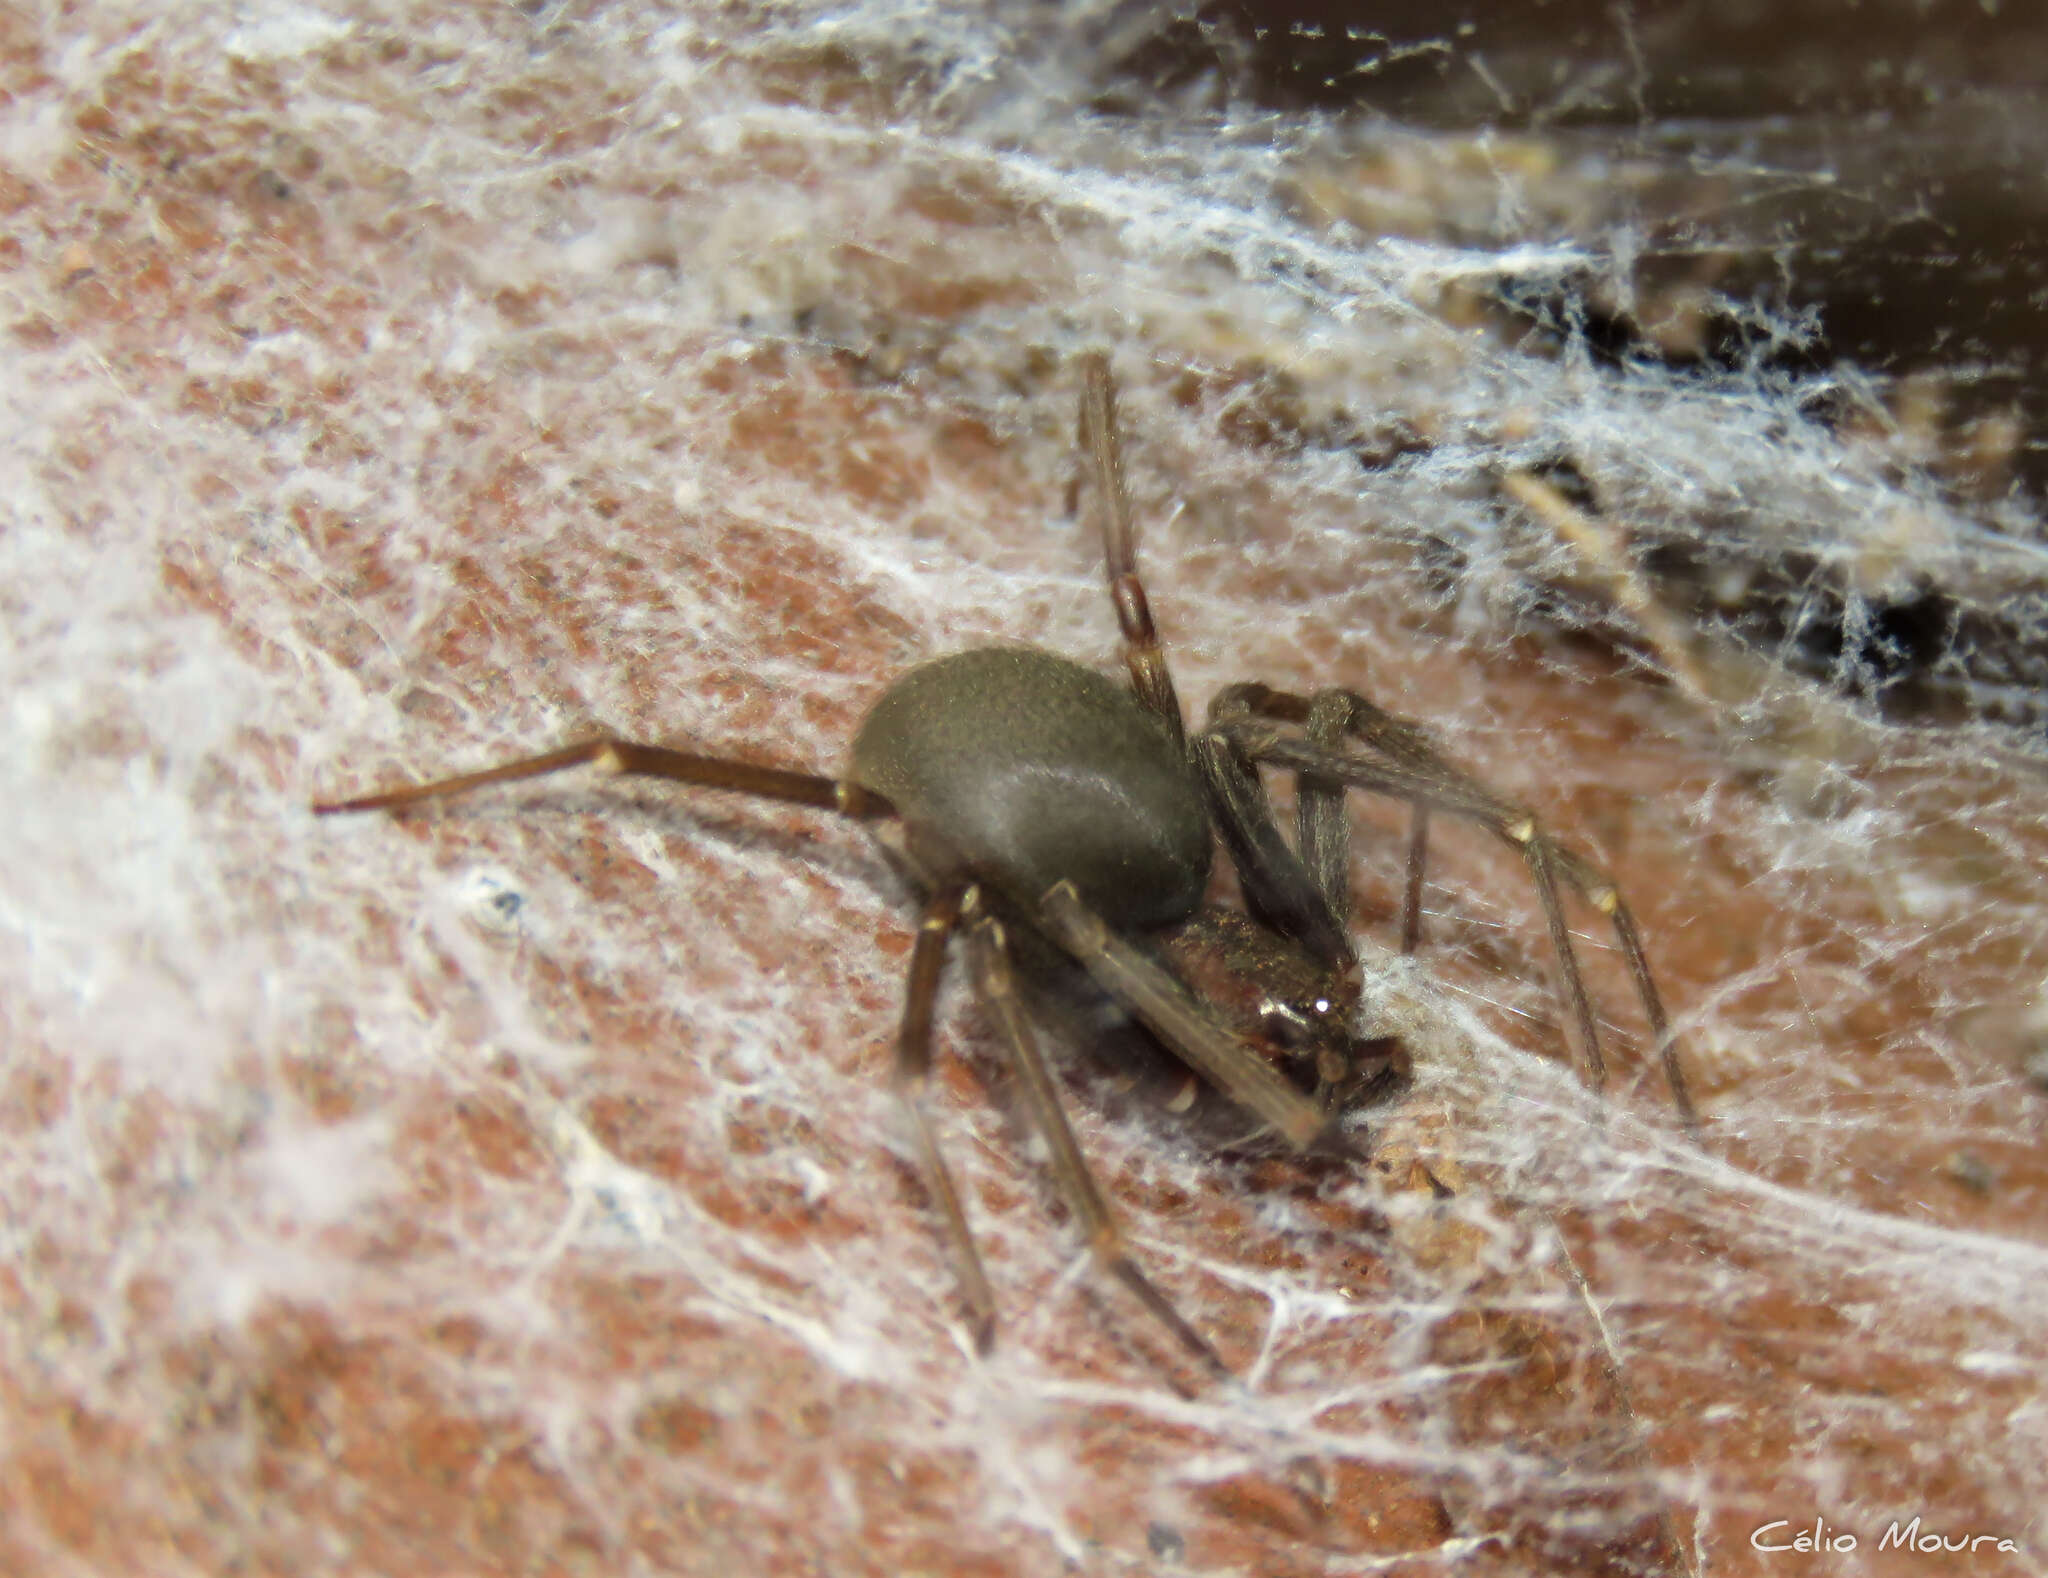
<point>516,1189</point>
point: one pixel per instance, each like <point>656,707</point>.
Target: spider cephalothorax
<point>1301,1015</point>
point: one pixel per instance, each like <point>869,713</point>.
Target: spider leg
<point>1322,837</point>
<point>1435,784</point>
<point>912,1077</point>
<point>1418,857</point>
<point>652,761</point>
<point>1150,677</point>
<point>1164,1006</point>
<point>996,983</point>
<point>1599,891</point>
<point>1277,884</point>
<point>1397,760</point>
<point>1327,717</point>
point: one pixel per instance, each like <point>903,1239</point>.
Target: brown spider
<point>1024,791</point>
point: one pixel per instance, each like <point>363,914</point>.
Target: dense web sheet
<point>518,1189</point>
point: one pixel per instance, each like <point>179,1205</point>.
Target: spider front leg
<point>996,985</point>
<point>1163,1005</point>
<point>1323,836</point>
<point>1278,886</point>
<point>1395,758</point>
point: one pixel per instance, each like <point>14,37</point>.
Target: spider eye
<point>1284,1024</point>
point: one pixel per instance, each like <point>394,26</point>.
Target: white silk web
<point>515,1187</point>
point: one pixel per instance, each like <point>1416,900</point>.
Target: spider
<point>1027,794</point>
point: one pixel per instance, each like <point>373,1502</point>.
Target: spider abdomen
<point>1031,770</point>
